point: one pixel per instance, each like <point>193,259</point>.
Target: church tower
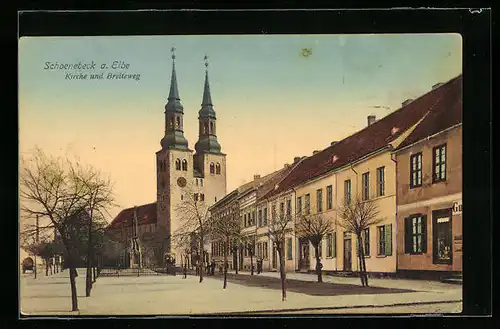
<point>209,161</point>
<point>174,164</point>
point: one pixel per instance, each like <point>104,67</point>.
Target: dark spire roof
<point>174,101</point>
<point>207,109</point>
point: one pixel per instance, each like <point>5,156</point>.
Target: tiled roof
<point>444,116</point>
<point>374,137</point>
<point>146,214</point>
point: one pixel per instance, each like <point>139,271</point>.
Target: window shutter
<point>424,234</point>
<point>388,240</point>
<point>408,235</point>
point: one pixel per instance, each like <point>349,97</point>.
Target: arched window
<point>178,122</point>
<point>212,130</point>
<point>177,164</point>
<point>212,170</point>
<point>172,123</point>
<point>196,181</point>
<point>184,165</point>
<point>206,128</point>
<point>217,168</point>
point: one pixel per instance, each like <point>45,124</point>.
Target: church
<point>179,170</point>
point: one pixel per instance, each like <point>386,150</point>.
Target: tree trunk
<point>46,268</point>
<point>251,263</point>
<point>226,249</point>
<point>360,259</point>
<point>35,268</point>
<point>365,274</point>
<point>282,274</point>
<point>72,279</point>
<point>202,256</point>
<point>235,258</point>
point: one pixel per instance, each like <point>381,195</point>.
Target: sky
<point>272,102</point>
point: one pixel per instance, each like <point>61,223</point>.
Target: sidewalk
<point>172,295</point>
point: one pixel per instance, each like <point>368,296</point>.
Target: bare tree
<point>355,217</point>
<point>279,225</point>
<point>194,219</point>
<point>99,198</point>
<point>314,227</point>
<point>225,228</point>
<point>53,189</point>
<point>249,245</point>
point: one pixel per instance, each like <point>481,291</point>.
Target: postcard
<point>240,174</point>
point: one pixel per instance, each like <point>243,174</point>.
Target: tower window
<point>171,123</point>
<point>212,170</point>
<point>178,122</point>
<point>211,127</point>
<point>196,181</point>
<point>184,165</point>
<point>217,168</point>
<point>205,128</point>
<point>177,164</point>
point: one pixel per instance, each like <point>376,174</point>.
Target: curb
<point>337,307</point>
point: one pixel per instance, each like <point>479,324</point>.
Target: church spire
<point>174,115</point>
<point>174,101</point>
<point>207,140</point>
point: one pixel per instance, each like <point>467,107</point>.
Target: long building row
<point>408,163</point>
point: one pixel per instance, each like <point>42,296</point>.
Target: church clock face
<point>181,181</point>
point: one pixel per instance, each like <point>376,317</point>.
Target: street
<point>173,295</point>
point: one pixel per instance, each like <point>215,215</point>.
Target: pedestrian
<point>185,271</point>
<point>213,267</point>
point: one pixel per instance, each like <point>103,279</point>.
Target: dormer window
<point>334,158</point>
<point>394,130</point>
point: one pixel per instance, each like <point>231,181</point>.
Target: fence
<point>117,272</point>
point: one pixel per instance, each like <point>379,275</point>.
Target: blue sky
<point>265,94</point>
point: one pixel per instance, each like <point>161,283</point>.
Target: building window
<point>178,122</point>
<point>202,197</point>
<point>266,250</point>
<point>195,197</point>
<point>212,168</point>
<point>366,185</point>
<point>253,217</point>
<point>196,181</point>
<point>329,245</point>
<point>289,208</point>
<point>282,209</point>
<point>217,168</point>
<point>245,220</point>
<point>182,197</point>
<point>439,164</point>
<point>416,170</point>
<point>366,241</point>
<point>415,234</point>
<point>319,200</point>
<point>299,205</point>
<point>259,218</point>
<point>442,236</point>
<point>177,164</point>
<point>289,249</point>
<point>184,165</point>
<point>201,183</point>
<point>329,197</point>
<point>308,204</point>
<point>265,216</point>
<point>320,249</point>
<point>384,240</point>
<point>347,191</point>
<point>273,211</point>
<point>381,181</point>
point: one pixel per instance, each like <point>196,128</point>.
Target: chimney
<point>371,119</point>
<point>333,143</point>
<point>256,177</point>
<point>286,165</point>
<point>315,151</point>
<point>437,85</point>
<point>408,101</point>
<point>296,159</point>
